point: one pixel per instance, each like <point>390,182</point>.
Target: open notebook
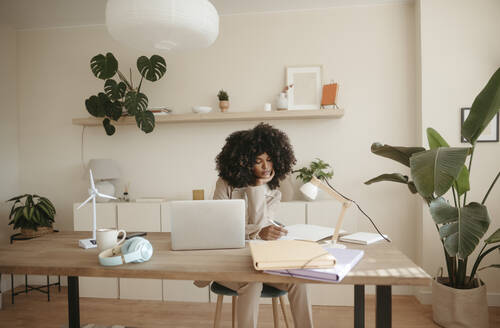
<point>289,254</point>
<point>346,260</point>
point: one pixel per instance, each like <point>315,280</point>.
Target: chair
<point>267,292</point>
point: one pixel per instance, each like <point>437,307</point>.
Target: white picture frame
<point>307,87</point>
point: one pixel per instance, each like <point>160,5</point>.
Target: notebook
<point>309,232</point>
<point>346,260</point>
<point>364,238</point>
<point>289,254</point>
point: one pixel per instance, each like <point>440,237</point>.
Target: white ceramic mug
<point>107,238</point>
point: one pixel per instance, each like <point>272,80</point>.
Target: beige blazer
<point>261,204</point>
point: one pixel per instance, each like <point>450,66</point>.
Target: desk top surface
<point>59,254</point>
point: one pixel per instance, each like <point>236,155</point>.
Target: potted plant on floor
<point>33,214</point>
<point>223,100</point>
<point>458,300</point>
<point>316,168</point>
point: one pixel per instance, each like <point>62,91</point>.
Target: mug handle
<point>123,238</point>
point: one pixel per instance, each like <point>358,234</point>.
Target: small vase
<point>282,101</point>
<point>224,105</point>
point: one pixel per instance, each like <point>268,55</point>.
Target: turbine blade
<point>105,196</point>
<point>92,185</point>
<point>85,202</point>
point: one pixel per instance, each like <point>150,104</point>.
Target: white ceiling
<point>33,14</point>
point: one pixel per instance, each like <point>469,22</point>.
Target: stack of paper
<point>289,254</point>
<point>363,238</point>
<point>308,232</point>
<point>346,259</point>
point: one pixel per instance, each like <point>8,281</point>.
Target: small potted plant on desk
<point>316,168</point>
<point>33,214</point>
<point>459,300</point>
<point>223,100</point>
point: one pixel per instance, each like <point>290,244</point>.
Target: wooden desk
<point>58,254</point>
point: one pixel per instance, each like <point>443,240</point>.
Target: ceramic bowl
<point>201,109</point>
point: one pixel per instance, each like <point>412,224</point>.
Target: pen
<point>276,223</point>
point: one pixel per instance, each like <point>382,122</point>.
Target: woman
<point>251,165</point>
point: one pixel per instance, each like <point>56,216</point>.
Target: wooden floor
<point>33,310</point>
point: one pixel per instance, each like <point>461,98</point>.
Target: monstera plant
<point>121,97</point>
<point>460,224</point>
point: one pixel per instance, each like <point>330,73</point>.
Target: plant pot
<point>224,105</point>
<point>454,308</point>
<point>36,233</point>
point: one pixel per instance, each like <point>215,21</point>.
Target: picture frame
<point>490,133</point>
<point>306,90</point>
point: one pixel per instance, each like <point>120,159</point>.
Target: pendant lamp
<point>166,25</point>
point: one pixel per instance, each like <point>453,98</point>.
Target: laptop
<point>207,224</point>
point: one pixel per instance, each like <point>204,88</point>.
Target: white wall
<point>9,149</point>
<point>460,52</point>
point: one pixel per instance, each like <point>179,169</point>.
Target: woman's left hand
<point>263,181</point>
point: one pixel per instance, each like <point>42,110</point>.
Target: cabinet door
<point>140,217</point>
<point>82,221</point>
<point>180,290</point>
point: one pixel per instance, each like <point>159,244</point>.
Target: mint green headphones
<point>134,250</point>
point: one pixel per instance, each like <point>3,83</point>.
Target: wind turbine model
<point>93,192</point>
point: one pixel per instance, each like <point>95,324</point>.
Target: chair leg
<point>235,300</point>
<point>276,312</point>
<point>283,309</point>
<point>218,311</point>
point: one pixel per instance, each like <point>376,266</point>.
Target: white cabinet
<point>140,217</point>
<point>82,221</point>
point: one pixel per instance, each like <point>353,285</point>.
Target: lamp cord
<point>360,209</point>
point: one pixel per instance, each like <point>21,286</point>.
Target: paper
<point>309,232</point>
<point>346,260</point>
<point>364,238</point>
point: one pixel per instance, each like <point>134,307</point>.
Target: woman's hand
<point>272,232</point>
<point>263,181</point>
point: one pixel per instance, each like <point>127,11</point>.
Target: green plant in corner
<point>434,172</point>
<point>121,97</point>
<point>31,212</point>
<point>316,168</point>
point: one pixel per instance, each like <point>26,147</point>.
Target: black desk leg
<point>359,306</point>
<point>384,307</point>
<point>12,287</point>
<point>73,303</point>
<point>48,289</point>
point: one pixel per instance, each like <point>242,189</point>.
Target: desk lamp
<point>310,189</point>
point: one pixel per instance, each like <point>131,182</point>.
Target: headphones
<point>135,250</point>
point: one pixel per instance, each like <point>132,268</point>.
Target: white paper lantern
<point>163,24</point>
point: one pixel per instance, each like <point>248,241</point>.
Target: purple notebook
<point>346,260</point>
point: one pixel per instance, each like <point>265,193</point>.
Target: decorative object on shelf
<point>93,192</point>
<point>223,100</point>
<point>122,97</point>
<point>329,96</point>
<point>160,110</point>
<point>202,109</point>
<point>165,25</point>
<point>283,97</point>
<point>104,169</point>
<point>461,226</point>
<point>33,214</point>
<point>306,93</point>
<point>316,169</point>
<point>198,194</point>
<point>267,107</point>
<point>125,197</point>
<point>489,134</point>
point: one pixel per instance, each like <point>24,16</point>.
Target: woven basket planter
<point>36,233</point>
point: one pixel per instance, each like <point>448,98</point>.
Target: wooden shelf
<point>223,117</point>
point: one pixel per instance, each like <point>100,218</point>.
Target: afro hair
<point>238,156</point>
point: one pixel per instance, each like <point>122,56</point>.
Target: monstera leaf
<point>114,110</point>
<point>110,129</point>
<point>394,177</point>
<point>98,106</point>
<point>462,182</point>
<point>104,67</point>
<point>145,120</point>
<point>483,109</point>
<point>399,154</point>
<point>152,69</point>
<point>462,228</point>
<point>114,90</point>
<point>435,170</point>
<point>135,102</point>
